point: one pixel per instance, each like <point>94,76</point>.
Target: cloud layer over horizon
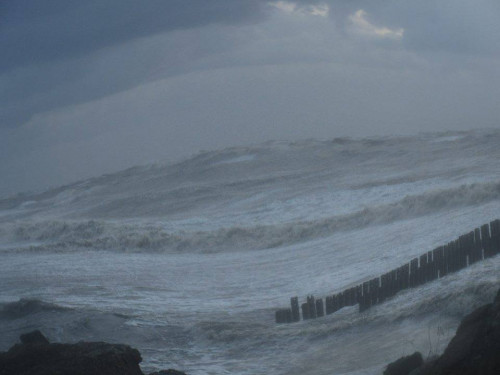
<point>93,87</point>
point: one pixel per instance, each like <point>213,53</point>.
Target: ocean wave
<point>25,307</point>
<point>63,236</point>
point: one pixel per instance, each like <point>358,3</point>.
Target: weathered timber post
<point>374,288</point>
<point>347,297</point>
<point>283,316</point>
<point>393,282</point>
<point>422,269</point>
<point>436,260</point>
<point>335,303</point>
<point>449,257</point>
<point>406,276</point>
<point>341,300</point>
<point>305,311</point>
<point>463,252</point>
<point>478,250</point>
<point>413,272</point>
<point>312,307</point>
<point>294,302</point>
<point>366,296</point>
<point>320,311</point>
<point>277,316</point>
<point>400,276</point>
<point>471,247</point>
<point>453,254</point>
<point>438,256</point>
<point>495,236</point>
<point>486,240</point>
<point>384,287</point>
<point>328,305</point>
<point>431,266</point>
<point>353,296</point>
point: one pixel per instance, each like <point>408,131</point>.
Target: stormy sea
<point>188,261</point>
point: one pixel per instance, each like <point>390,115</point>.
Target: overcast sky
<point>89,87</point>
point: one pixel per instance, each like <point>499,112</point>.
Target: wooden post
<point>353,296</point>
<point>447,258</point>
<point>320,311</point>
<point>406,276</point>
<point>422,269</point>
<point>328,305</point>
<point>486,240</point>
<point>437,258</point>
<point>466,247</point>
<point>462,251</point>
<point>401,278</point>
<point>384,287</point>
<point>335,303</point>
<point>305,311</point>
<point>363,302</point>
<point>294,303</point>
<point>495,236</point>
<point>312,307</point>
<point>374,287</point>
<point>453,255</point>
<point>283,316</point>
<point>366,295</point>
<point>478,251</point>
<point>413,272</point>
<point>347,297</point>
<point>431,267</point>
<point>394,283</point>
<point>341,300</point>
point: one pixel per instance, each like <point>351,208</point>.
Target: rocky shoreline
<point>36,356</point>
<point>475,349</point>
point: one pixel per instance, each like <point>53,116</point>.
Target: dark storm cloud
<point>36,31</point>
<point>46,45</point>
<point>49,47</point>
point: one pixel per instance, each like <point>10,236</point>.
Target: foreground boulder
<point>405,365</point>
<point>36,356</point>
<point>475,349</point>
<point>35,337</point>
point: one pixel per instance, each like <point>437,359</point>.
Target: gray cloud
<point>34,31</point>
<point>48,45</point>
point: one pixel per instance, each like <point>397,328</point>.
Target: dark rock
<point>34,337</point>
<point>475,349</point>
<point>36,357</point>
<point>405,365</point>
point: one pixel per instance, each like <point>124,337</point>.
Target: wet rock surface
<point>36,356</point>
<point>475,348</point>
<point>405,365</point>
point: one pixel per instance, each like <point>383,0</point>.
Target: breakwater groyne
<point>479,244</point>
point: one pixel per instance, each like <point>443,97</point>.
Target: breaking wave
<point>25,307</point>
<point>59,235</point>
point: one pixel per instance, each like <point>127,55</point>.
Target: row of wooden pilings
<point>479,244</point>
